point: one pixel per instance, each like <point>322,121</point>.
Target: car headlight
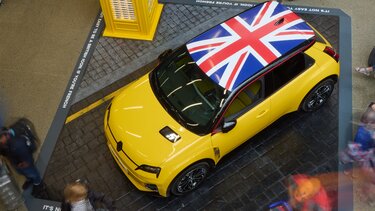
<point>150,169</point>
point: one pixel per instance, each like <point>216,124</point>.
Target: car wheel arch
<point>209,161</point>
<point>334,78</point>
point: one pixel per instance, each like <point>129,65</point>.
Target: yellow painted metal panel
<point>127,26</point>
<point>134,19</point>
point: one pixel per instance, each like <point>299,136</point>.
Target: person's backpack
<point>24,127</point>
<point>371,58</point>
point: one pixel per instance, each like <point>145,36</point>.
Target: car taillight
<point>330,51</point>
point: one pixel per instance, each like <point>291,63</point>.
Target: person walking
<point>307,193</point>
<point>361,151</point>
<point>366,131</point>
<point>17,144</point>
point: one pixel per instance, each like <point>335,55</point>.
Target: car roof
<point>242,46</point>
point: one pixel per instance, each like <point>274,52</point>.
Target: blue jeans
<point>31,174</point>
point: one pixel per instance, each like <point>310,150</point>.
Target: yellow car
<point>170,127</point>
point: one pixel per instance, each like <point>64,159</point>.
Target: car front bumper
<point>139,178</point>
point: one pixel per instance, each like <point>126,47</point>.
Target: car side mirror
<point>228,126</point>
<point>164,55</point>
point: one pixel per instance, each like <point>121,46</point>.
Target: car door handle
<point>261,114</point>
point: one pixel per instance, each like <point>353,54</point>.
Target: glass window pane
<point>150,5</point>
<point>123,9</point>
<point>246,99</point>
<point>290,69</point>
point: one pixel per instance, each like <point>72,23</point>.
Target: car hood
<point>136,117</point>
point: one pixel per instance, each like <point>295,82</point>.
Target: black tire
<point>318,96</point>
<point>190,178</point>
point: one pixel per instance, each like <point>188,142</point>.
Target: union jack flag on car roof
<point>237,49</point>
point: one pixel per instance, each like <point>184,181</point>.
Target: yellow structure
<point>134,19</point>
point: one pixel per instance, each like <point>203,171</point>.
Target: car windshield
<point>187,92</point>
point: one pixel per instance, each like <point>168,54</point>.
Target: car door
<point>250,111</point>
<point>289,85</point>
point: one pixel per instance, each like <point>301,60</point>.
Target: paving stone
<point>246,159</point>
<point>272,179</point>
<point>248,170</point>
<point>244,199</point>
<point>278,187</point>
<point>230,195</point>
<point>216,204</point>
<point>71,147</point>
<point>268,169</point>
<point>200,203</point>
<point>240,189</point>
<point>290,166</point>
<point>237,204</point>
<point>254,191</point>
<point>221,173</point>
<point>307,168</point>
<point>271,196</point>
<point>262,200</point>
<point>251,206</point>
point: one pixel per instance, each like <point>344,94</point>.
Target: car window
<point>246,99</point>
<point>289,70</point>
<point>187,93</point>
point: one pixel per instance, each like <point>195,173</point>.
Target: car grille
<point>117,142</point>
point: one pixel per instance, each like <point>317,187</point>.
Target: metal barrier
<point>10,194</point>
